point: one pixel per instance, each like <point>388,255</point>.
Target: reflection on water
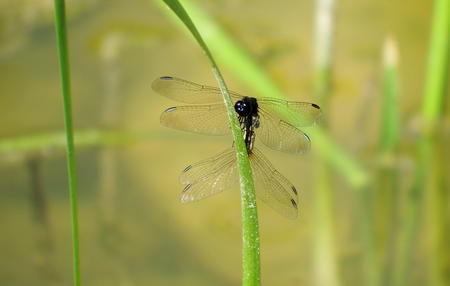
<point>134,230</point>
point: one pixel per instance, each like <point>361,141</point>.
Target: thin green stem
<point>250,229</point>
<point>323,48</point>
<point>385,213</point>
<point>370,267</point>
<point>390,126</point>
<point>432,112</point>
<point>408,226</point>
<point>325,266</point>
<point>61,37</point>
<point>438,64</point>
<point>83,138</point>
<point>436,216</point>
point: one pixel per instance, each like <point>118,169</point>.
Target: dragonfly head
<point>247,106</point>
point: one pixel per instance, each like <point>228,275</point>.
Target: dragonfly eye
<point>242,108</point>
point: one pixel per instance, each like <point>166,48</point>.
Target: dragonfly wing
<point>209,177</point>
<point>188,92</point>
<point>279,135</point>
<point>204,119</point>
<point>218,173</point>
<point>272,187</point>
<point>299,114</point>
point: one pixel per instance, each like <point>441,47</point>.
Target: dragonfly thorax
<point>247,109</point>
<point>247,106</point>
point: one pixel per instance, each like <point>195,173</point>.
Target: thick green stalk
<point>438,64</point>
<point>427,148</point>
<point>63,53</point>
<point>427,191</point>
<point>390,113</point>
<point>332,154</point>
<point>250,228</point>
<point>325,266</point>
<point>370,267</point>
<point>408,226</point>
<point>325,261</point>
<point>436,85</point>
<point>323,47</point>
<point>381,231</point>
<point>437,227</point>
<point>83,138</point>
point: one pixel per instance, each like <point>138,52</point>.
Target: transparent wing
<point>209,177</point>
<point>272,187</point>
<point>280,135</point>
<point>218,173</point>
<point>188,92</point>
<point>296,113</point>
<point>204,119</point>
<point>299,114</point>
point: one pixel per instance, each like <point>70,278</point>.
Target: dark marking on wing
<point>186,187</point>
<point>294,203</point>
<point>170,109</point>
<point>307,137</point>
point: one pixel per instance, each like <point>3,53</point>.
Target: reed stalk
<point>390,112</point>
<point>437,228</point>
<point>383,200</point>
<point>408,224</point>
<point>325,261</point>
<point>110,50</point>
<point>63,55</point>
<point>435,95</point>
<point>428,148</point>
<point>438,65</point>
<point>21,146</point>
<point>250,228</point>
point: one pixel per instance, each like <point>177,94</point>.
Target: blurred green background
<point>384,222</point>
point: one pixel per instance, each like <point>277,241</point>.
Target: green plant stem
<point>387,219</point>
<point>332,154</point>
<point>250,229</point>
<point>370,266</point>
<point>325,266</point>
<point>438,64</point>
<point>408,226</point>
<point>390,114</point>
<point>61,37</point>
<point>426,189</point>
<point>379,208</point>
<point>435,94</point>
<point>436,202</point>
<point>83,138</point>
<point>323,48</point>
<point>432,113</point>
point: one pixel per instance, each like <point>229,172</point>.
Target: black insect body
<point>247,110</point>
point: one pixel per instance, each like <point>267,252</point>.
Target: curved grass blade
<point>61,37</point>
<point>250,228</point>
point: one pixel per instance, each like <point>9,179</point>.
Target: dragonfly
<point>276,123</point>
